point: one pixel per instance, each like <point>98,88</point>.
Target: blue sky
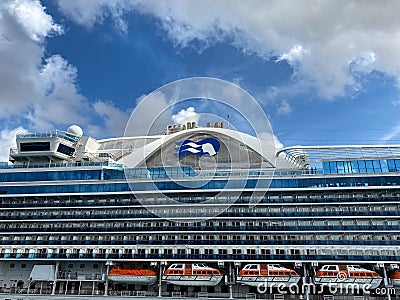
<point>325,72</point>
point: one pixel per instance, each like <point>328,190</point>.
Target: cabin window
<point>208,251</point>
<point>253,267</point>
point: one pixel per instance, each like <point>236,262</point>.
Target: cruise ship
<point>199,211</point>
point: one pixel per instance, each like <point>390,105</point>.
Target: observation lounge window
<point>35,146</point>
<point>65,149</point>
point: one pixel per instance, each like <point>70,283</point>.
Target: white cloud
<point>33,18</point>
<point>7,141</point>
<point>91,12</point>
<point>284,107</point>
<point>40,91</point>
<point>319,37</point>
<point>363,62</point>
<point>21,60</point>
<point>295,54</point>
<point>152,114</point>
<point>186,115</point>
<point>395,132</point>
<point>60,101</point>
<point>45,93</point>
<point>115,119</point>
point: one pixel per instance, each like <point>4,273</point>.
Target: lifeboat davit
<point>132,275</point>
<point>395,278</point>
<point>348,274</point>
<point>268,275</point>
<point>192,274</point>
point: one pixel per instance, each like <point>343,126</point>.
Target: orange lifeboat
<point>132,275</point>
<point>395,278</point>
<point>196,274</point>
<point>267,274</point>
<point>348,274</point>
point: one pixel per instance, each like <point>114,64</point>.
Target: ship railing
<point>63,165</point>
<point>58,133</point>
<point>202,295</point>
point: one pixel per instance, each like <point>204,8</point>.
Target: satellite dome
<point>75,130</point>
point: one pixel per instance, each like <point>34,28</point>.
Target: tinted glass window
<point>65,149</point>
<point>37,146</point>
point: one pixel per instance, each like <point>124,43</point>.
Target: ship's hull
<point>192,280</point>
<point>369,283</point>
<point>268,281</point>
<point>133,279</point>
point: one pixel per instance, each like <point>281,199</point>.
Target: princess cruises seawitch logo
<point>205,147</point>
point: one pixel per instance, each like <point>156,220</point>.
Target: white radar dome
<point>75,130</point>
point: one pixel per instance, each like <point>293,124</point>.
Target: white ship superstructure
<point>73,208</point>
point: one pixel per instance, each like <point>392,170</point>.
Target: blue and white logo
<point>205,147</point>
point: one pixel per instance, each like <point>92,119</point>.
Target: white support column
<point>305,282</point>
<point>53,290</point>
<point>161,272</point>
<point>29,286</point>
<point>386,283</point>
<point>108,263</point>
<point>230,279</point>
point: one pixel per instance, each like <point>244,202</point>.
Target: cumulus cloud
<point>21,55</point>
<point>115,119</point>
<point>31,91</point>
<point>7,141</point>
<point>38,90</point>
<point>295,54</point>
<point>45,92</point>
<point>91,12</point>
<point>152,114</point>
<point>60,101</point>
<point>326,41</point>
<point>33,18</point>
<point>284,107</point>
<point>186,115</point>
